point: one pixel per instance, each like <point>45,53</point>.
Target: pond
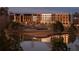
<point>34,46</point>
<point>42,46</point>
<point>75,45</point>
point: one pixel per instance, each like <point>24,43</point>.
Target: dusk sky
<point>43,9</point>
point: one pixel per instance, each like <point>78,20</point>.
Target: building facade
<point>36,18</point>
<point>64,18</point>
<point>43,18</point>
<point>46,18</point>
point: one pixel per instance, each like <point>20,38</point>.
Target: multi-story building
<point>43,18</point>
<point>36,18</point>
<point>15,17</point>
<point>46,18</point>
<point>64,18</point>
<point>27,18</point>
<point>21,18</point>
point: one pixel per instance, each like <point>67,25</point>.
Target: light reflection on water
<point>41,46</point>
<point>34,46</point>
<point>75,45</point>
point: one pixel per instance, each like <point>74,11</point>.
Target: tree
<point>3,22</point>
<point>9,44</point>
<point>72,33</point>
<point>15,25</point>
<point>57,27</point>
<point>6,44</point>
<point>58,44</point>
<point>3,11</point>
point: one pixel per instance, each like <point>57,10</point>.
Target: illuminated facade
<point>21,18</point>
<point>26,18</point>
<point>64,18</point>
<point>44,18</point>
<point>36,18</point>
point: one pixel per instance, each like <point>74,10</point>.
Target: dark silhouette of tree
<point>57,27</point>
<point>58,44</point>
<point>3,11</point>
<point>6,43</point>
<point>72,33</point>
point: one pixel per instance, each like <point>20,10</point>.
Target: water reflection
<point>26,45</point>
<point>38,46</point>
<point>75,45</point>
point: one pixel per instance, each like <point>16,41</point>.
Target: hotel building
<point>21,18</point>
<point>36,18</point>
<point>46,18</point>
<point>64,18</point>
<point>43,18</point>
